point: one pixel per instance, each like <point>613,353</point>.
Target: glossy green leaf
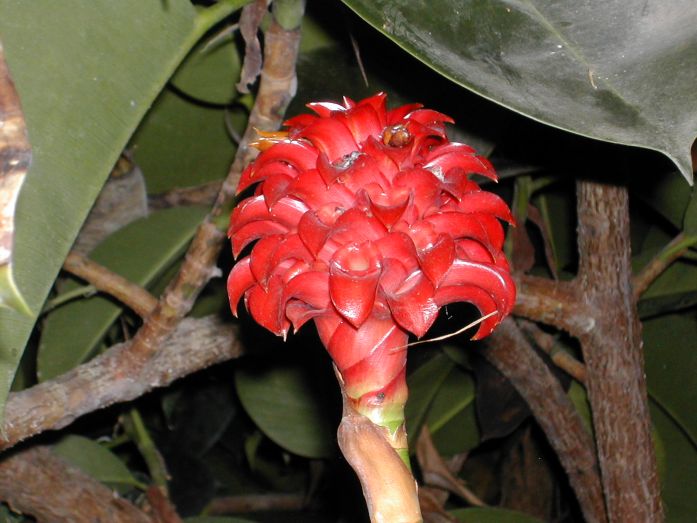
<point>288,406</point>
<point>423,385</point>
<point>452,418</point>
<point>675,289</point>
<point>492,515</point>
<point>96,460</point>
<point>678,465</point>
<point>671,366</point>
<point>667,195</point>
<point>86,73</point>
<point>181,144</point>
<point>210,71</point>
<point>183,140</point>
<point>689,225</point>
<point>139,252</point>
<point>599,69</point>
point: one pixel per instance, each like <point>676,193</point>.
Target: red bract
<point>367,222</point>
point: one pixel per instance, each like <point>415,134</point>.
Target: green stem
<point>207,18</point>
<point>136,429</point>
<point>80,292</point>
<point>288,13</point>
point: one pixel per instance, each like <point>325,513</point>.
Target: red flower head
<point>367,223</point>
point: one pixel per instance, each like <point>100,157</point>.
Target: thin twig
<point>135,427</point>
<point>105,280</point>
<point>204,194</point>
<point>659,263</point>
<point>559,356</point>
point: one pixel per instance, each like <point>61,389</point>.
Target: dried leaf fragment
<point>15,156</point>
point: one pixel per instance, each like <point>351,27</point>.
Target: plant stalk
<point>388,486</point>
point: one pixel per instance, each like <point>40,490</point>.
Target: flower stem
<point>380,459</point>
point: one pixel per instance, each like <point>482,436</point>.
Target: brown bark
<point>509,351</point>
<point>130,294</point>
<point>39,483</point>
<point>105,380</point>
<point>616,382</point>
<point>559,356</point>
<point>552,302</point>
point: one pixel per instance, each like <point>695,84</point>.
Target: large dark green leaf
<point>423,384</point>
<point>452,418</point>
<point>95,460</point>
<point>139,252</point>
<point>86,72</point>
<point>287,404</point>
<point>617,71</point>
<point>678,466</point>
<point>671,366</point>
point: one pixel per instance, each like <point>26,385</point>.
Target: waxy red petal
<point>239,281</point>
<point>253,231</point>
<point>454,157</point>
<point>413,305</point>
<point>437,259</point>
<point>353,279</point>
<point>264,306</point>
<point>261,256</point>
<point>331,137</point>
<point>306,296</point>
<point>313,232</point>
<point>487,203</point>
<point>478,297</point>
<point>459,225</point>
<point>399,246</point>
<point>498,283</point>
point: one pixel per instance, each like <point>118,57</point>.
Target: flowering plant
<point>367,222</point>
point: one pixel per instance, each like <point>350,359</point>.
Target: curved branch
<point>103,279</point>
<point>35,481</point>
<point>553,302</point>
<point>508,350</point>
<point>108,379</point>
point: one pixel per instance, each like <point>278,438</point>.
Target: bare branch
<point>559,357</point>
<point>277,87</point>
<point>37,482</point>
<point>664,259</point>
<point>105,380</point>
<point>105,280</point>
<point>552,302</point>
<point>508,350</point>
<point>204,195</point>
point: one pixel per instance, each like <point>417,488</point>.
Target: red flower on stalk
<point>367,223</point>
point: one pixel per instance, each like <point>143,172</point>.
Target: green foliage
<point>289,405</point>
<point>97,461</point>
<point>671,367</point>
<point>492,515</point>
<point>86,76</point>
<point>71,333</point>
<point>554,62</point>
<point>92,80</point>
